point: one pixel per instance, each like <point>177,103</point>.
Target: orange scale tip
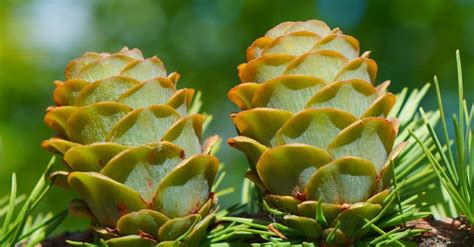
<point>345,206</point>
<point>58,83</point>
<point>382,87</point>
<point>366,54</point>
<point>174,77</point>
<point>145,235</point>
<point>240,70</point>
<point>336,30</point>
<point>255,50</point>
<point>242,94</point>
<point>395,122</point>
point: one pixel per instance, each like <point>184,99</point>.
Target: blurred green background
<point>204,41</point>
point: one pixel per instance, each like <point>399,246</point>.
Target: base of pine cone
<point>444,232</point>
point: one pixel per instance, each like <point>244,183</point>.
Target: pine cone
<point>133,152</point>
<point>314,127</point>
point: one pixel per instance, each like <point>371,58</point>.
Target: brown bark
<point>444,232</point>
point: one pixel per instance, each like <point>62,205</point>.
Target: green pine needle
<point>455,168</point>
<point>22,227</point>
<point>11,206</point>
<point>319,215</point>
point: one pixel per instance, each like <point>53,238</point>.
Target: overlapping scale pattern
<point>315,128</point>
<point>133,153</point>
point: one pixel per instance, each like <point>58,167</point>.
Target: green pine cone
<point>133,153</point>
<point>314,127</point>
